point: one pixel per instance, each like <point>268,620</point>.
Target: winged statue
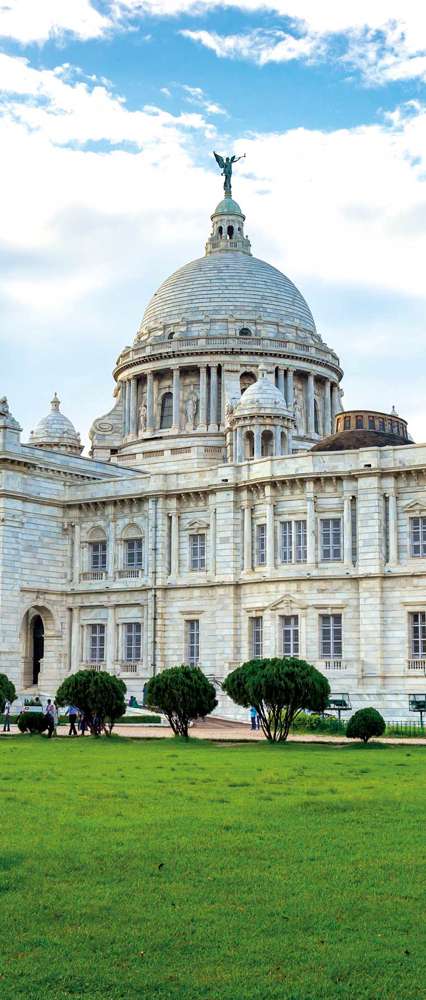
<point>225,164</point>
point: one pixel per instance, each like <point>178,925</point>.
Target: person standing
<point>50,717</point>
<point>6,716</point>
<point>55,718</point>
<point>72,713</point>
<point>253,717</point>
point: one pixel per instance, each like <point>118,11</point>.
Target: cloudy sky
<point>109,112</point>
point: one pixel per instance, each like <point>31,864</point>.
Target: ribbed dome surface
<point>232,284</point>
<point>261,397</point>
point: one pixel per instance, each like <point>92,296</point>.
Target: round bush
<point>364,724</point>
<point>182,693</point>
<point>32,722</point>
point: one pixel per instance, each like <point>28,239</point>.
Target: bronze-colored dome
<point>350,440</point>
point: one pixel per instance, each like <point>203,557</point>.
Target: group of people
<point>79,723</point>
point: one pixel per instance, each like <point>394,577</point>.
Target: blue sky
<point>109,113</point>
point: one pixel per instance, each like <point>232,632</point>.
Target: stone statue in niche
<point>142,416</point>
<point>191,411</point>
<point>299,412</point>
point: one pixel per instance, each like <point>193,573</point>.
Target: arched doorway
<point>37,645</point>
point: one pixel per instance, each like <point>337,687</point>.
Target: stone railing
<point>338,665</point>
<point>416,666</point>
<point>93,666</point>
<point>131,667</point>
<point>94,574</point>
<point>190,345</point>
<point>129,573</point>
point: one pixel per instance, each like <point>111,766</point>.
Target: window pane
<point>98,555</point>
<point>301,541</point>
<point>166,417</point>
<point>134,553</point>
<point>290,635</point>
<point>418,634</point>
<point>418,536</point>
<point>256,625</point>
<point>193,642</point>
<point>96,643</point>
<point>132,641</point>
<point>261,544</point>
<point>286,541</point>
<point>197,551</point>
<point>331,539</point>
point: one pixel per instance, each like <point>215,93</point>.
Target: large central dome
<point>222,285</point>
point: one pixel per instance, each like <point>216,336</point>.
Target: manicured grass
<point>155,869</point>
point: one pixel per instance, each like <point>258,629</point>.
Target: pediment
<point>416,506</point>
<point>287,603</point>
<point>198,525</point>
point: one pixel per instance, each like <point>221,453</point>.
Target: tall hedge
<point>278,688</point>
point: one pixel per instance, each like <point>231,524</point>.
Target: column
<point>290,389</point>
<point>150,401</point>
<point>347,530</point>
<point>202,424</point>
<point>124,406</point>
<point>247,557</point>
<point>335,403</point>
<point>176,399</point>
<point>75,640</point>
<point>76,554</point>
<point>327,407</point>
<point>222,397</point>
<point>270,535</point>
<point>239,457</point>
<point>133,406</point>
<point>213,397</point>
<point>289,441</point>
<point>310,404</point>
<point>213,541</point>
<point>110,652</point>
<point>393,528</point>
<point>257,441</point>
<point>281,381</point>
<point>174,562</point>
<point>277,436</point>
<point>310,528</point>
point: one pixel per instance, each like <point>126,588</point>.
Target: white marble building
<point>203,527</point>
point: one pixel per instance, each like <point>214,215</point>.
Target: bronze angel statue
<point>225,165</point>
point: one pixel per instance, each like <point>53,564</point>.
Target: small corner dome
<point>55,431</point>
<point>262,397</point>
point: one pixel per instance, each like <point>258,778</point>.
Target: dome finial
<point>55,402</point>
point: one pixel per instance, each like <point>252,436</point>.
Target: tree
<point>365,723</point>
<point>278,689</point>
<point>183,693</point>
<point>7,691</point>
<point>97,694</point>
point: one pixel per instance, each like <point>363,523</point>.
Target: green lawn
<point>153,869</point>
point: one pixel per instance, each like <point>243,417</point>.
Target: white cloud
<point>259,46</point>
<point>37,20</point>
<point>195,95</point>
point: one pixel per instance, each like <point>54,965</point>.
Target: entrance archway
<point>37,645</point>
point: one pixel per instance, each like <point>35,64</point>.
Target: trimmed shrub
<point>364,724</point>
<point>310,723</point>
<point>7,691</point>
<point>279,689</point>
<point>32,722</point>
<point>183,694</point>
<point>97,694</point>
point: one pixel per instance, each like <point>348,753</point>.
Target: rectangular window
<point>418,635</point>
<point>286,541</point>
<point>301,541</point>
<point>192,642</point>
<point>417,537</point>
<point>371,424</point>
<point>132,641</point>
<point>98,555</point>
<point>134,553</point>
<point>381,424</point>
<point>331,636</point>
<point>346,423</point>
<point>289,635</point>
<point>197,552</point>
<point>96,643</point>
<point>260,544</point>
<point>256,628</point>
<point>331,539</point>
<point>359,423</point>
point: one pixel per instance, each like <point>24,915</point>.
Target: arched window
<point>170,335</point>
<point>249,445</point>
<point>246,379</point>
<point>166,417</point>
<point>230,232</point>
<point>244,332</point>
<point>97,550</point>
<point>316,418</point>
<point>220,230</point>
<point>267,444</point>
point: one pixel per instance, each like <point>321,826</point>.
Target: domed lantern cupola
<point>260,424</point>
<point>56,432</point>
<point>228,228</point>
